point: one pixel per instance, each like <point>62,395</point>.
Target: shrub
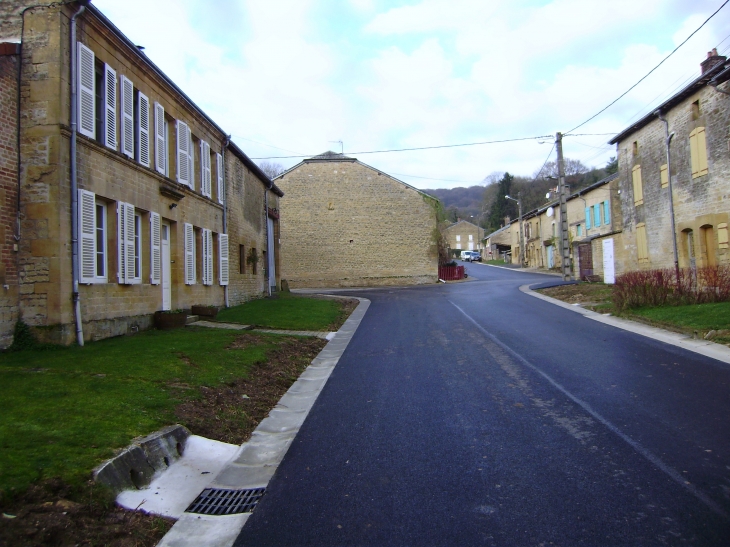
<point>661,287</point>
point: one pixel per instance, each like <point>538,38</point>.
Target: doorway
<point>165,268</point>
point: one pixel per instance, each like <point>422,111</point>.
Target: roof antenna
<point>342,147</point>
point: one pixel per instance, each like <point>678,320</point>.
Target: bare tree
<point>492,178</point>
<point>571,167</point>
<point>271,169</point>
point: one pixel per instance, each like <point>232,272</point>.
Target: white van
<point>470,256</point>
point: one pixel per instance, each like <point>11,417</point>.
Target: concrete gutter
<point>702,347</point>
<point>256,461</point>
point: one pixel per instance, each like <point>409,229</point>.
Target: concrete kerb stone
<point>702,347</point>
<point>255,463</point>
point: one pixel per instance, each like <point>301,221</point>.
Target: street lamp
<point>522,239</point>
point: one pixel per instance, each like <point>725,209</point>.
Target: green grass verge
<point>287,311</point>
<point>495,262</point>
<point>65,411</point>
<point>700,317</point>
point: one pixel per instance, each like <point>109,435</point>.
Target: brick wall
<point>9,60</point>
<point>346,224</point>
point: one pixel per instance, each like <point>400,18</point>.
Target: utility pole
<point>522,237</point>
<point>564,235</point>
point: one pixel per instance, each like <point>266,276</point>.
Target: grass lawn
<point>495,262</point>
<point>699,317</point>
<point>286,311</point>
<point>65,410</point>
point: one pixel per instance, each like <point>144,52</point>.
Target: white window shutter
<point>207,257</point>
<point>129,231</point>
<point>160,141</point>
<point>87,236</point>
<point>183,151</point>
<point>205,177</point>
<point>189,254</point>
<point>191,160</point>
<point>86,91</point>
<point>143,129</point>
<point>219,173</point>
<point>223,255</point>
<point>121,238</point>
<point>210,257</point>
<point>110,107</point>
<point>156,250</point>
<point>127,107</point>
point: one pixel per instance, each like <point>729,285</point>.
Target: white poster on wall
<point>609,274</point>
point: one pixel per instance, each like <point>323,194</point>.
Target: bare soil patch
<point>50,513</point>
<point>592,296</point>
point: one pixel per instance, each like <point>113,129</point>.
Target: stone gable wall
<point>344,224</point>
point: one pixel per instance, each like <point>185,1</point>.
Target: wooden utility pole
<point>564,234</point>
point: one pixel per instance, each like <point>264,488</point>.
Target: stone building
<point>129,199</point>
<point>698,120</point>
<point>346,224</point>
<point>464,235</point>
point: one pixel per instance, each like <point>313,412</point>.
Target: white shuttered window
<point>126,101</point>
<point>207,257</point>
<point>189,242</point>
<point>155,250</point>
<point>205,178</point>
<point>182,139</point>
<point>160,140</point>
<point>86,91</point>
<point>223,258</point>
<point>110,107</point>
<point>143,130</point>
<point>87,237</point>
<point>126,235</point>
<point>219,176</point>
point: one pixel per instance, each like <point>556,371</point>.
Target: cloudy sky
<point>288,77</point>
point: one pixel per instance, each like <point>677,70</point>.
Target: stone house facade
<point>131,199</point>
<point>698,120</point>
<point>346,224</point>
<point>465,236</point>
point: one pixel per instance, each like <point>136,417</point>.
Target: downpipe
<point>74,182</point>
<point>225,214</point>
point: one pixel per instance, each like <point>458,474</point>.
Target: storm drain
<point>215,501</point>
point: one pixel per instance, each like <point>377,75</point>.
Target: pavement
<point>254,463</point>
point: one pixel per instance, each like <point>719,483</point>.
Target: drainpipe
<point>74,182</point>
<point>667,141</point>
<point>268,256</point>
<point>226,141</point>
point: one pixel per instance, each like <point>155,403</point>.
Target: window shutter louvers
<point>219,173</point>
<point>127,107</point>
<point>189,254</point>
<point>160,141</point>
<point>606,212</point>
<point>597,215</point>
<point>205,176</point>
<point>223,258</point>
<point>183,163</point>
<point>588,218</point>
<point>86,116</point>
<point>125,242</point>
<point>110,107</point>
<point>191,160</point>
<point>143,129</point>
<point>207,257</point>
<point>87,239</point>
<point>156,249</point>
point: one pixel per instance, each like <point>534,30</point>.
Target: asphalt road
<point>474,414</point>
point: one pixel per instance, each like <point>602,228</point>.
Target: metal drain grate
<point>214,501</point>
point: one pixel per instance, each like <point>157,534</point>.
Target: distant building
<point>465,236</point>
<point>347,224</point>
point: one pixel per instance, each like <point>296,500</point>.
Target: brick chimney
<point>713,59</point>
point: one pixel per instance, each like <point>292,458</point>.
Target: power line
<point>648,73</point>
<point>419,147</point>
<point>440,180</point>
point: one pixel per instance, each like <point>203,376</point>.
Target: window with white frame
<point>160,140</point>
<point>207,257</point>
<point>189,250</point>
<point>219,177</point>
<point>129,227</point>
<point>223,262</point>
<point>92,238</point>
<point>205,170</point>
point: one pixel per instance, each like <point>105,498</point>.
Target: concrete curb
<point>257,460</point>
<point>702,347</point>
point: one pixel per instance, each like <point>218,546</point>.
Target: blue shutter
<point>588,218</point>
<point>606,212</point>
<point>596,215</point>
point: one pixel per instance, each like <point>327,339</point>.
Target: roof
<point>330,156</point>
<point>462,221</point>
<point>718,71</point>
<point>248,162</point>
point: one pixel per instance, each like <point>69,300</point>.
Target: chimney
<point>713,59</point>
<point>506,220</point>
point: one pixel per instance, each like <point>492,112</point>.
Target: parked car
<point>471,256</point>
